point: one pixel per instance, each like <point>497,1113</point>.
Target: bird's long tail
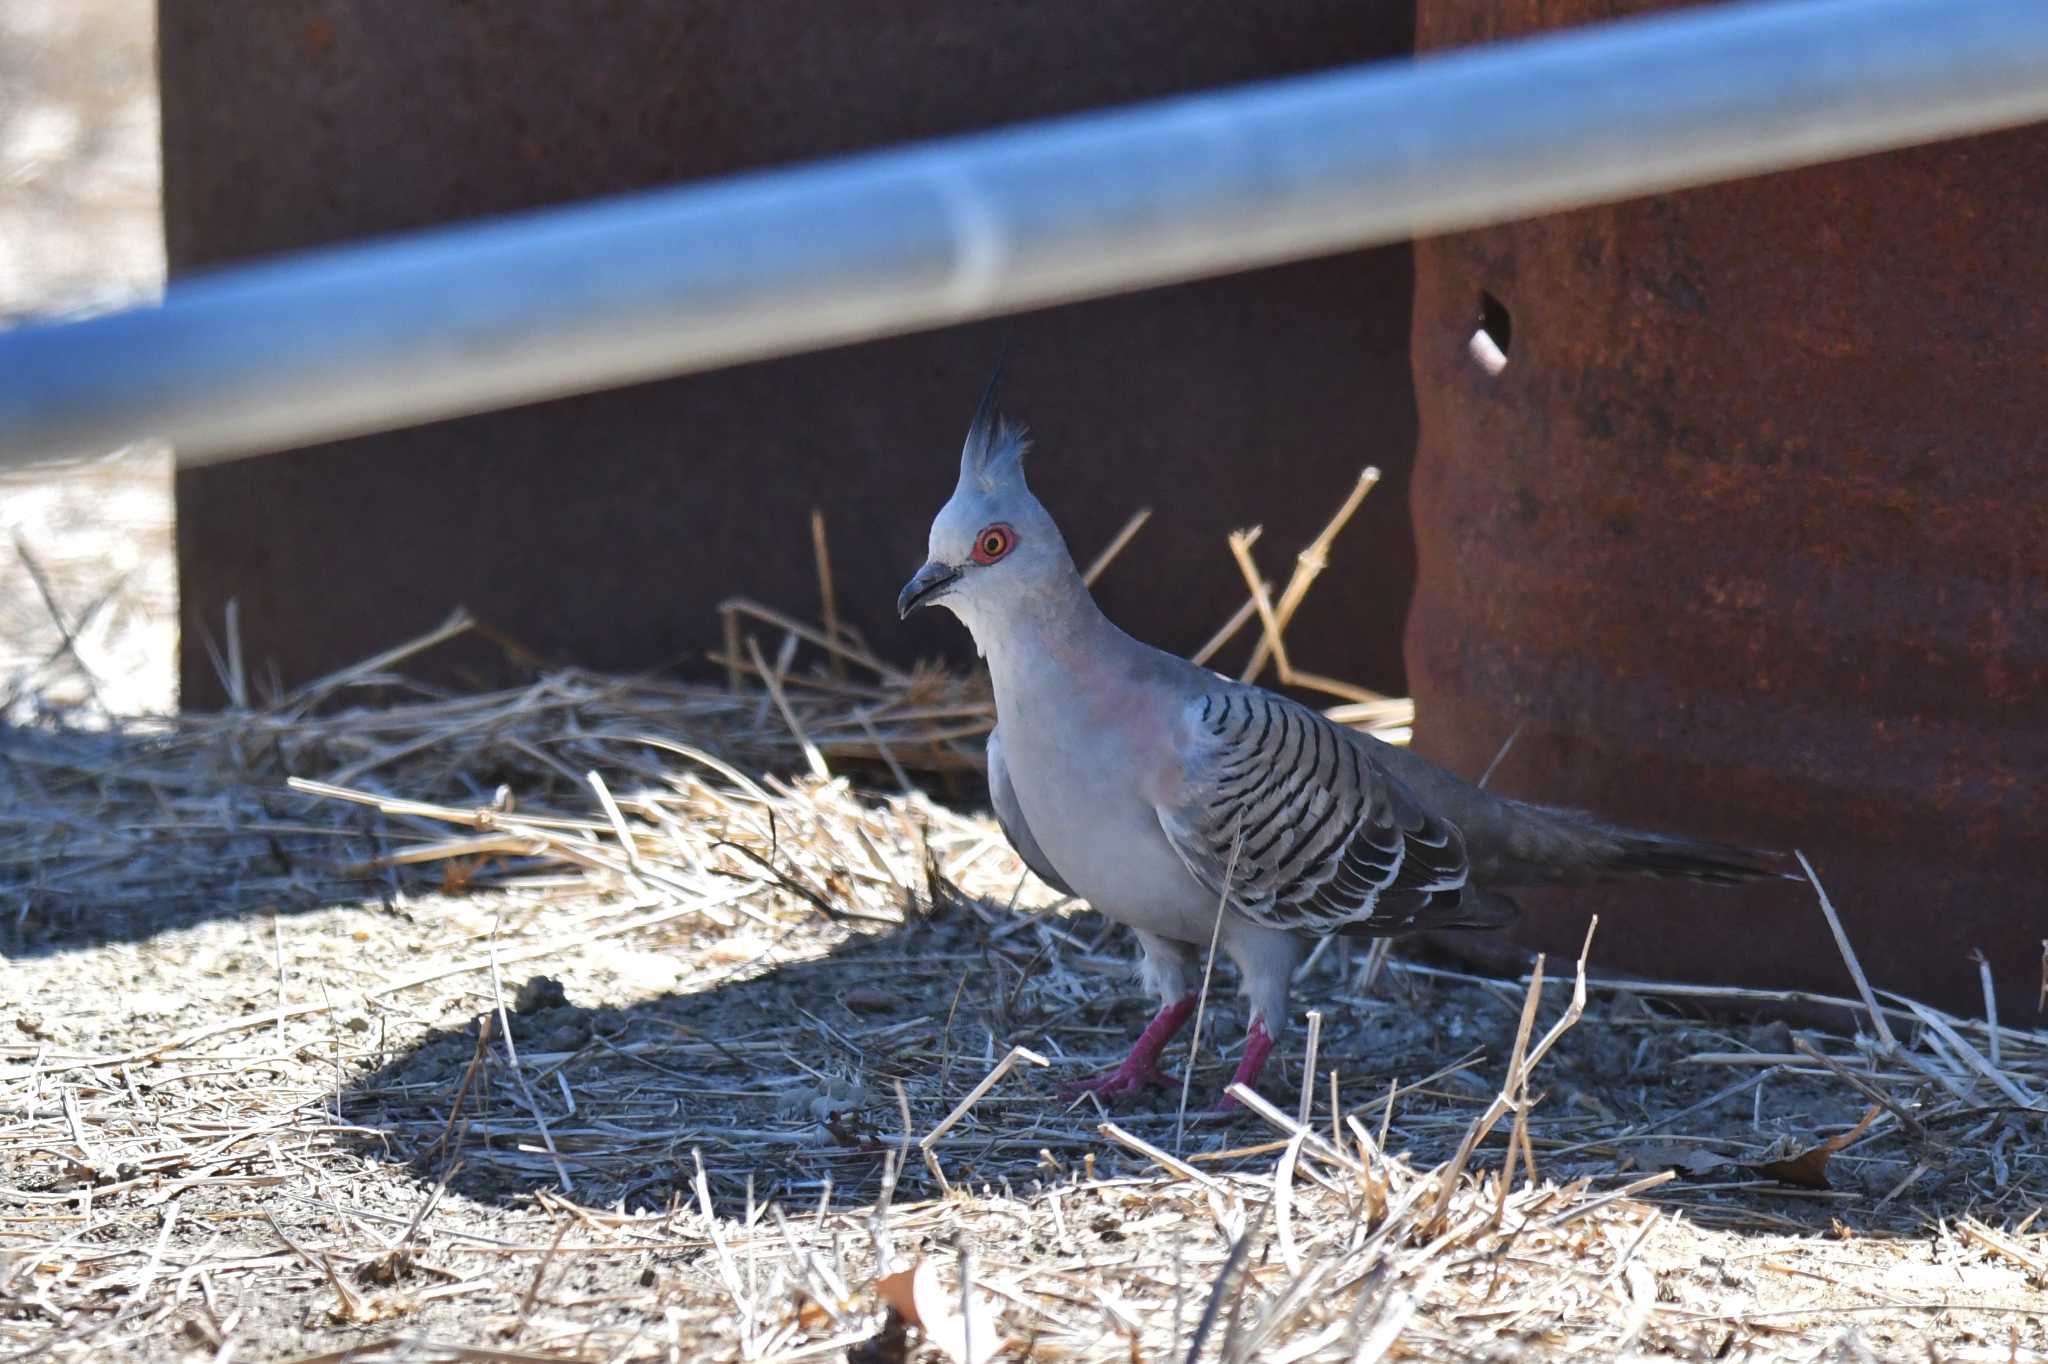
<point>1545,845</point>
<point>1515,843</point>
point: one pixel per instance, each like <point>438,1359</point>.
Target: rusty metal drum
<point>1730,504</point>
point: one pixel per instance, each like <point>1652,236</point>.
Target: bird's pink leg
<point>1141,1067</point>
<point>1258,1044</point>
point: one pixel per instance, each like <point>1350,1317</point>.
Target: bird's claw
<point>1125,1080</point>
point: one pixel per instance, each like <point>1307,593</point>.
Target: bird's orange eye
<point>993,543</point>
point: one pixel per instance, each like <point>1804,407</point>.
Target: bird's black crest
<point>995,447</point>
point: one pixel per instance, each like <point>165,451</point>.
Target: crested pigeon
<point>1199,809</point>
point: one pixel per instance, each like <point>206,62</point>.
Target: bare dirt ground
<point>79,162</point>
<point>460,1054</point>
<point>659,1065</point>
<point>79,232</point>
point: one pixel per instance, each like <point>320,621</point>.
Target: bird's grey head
<point>993,549</point>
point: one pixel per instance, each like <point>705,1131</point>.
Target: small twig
<point>1116,545</point>
<point>628,845</point>
<point>2034,1264</point>
<point>1506,744</point>
<point>1336,1113</point>
<point>459,622</point>
<point>156,1254</point>
<point>1187,1078</point>
<point>729,629</point>
<point>540,1273</point>
<point>1909,1123</point>
<point>728,1269</point>
<point>967,1355</point>
<point>1158,1157</point>
<point>351,1302</point>
<point>1308,1066</point>
<point>1283,1202</point>
<point>476,1061</point>
<point>1258,1104</point>
<point>1518,1073</point>
<point>431,1201</point>
<point>1971,1057</point>
<point>1308,566</point>
<point>988,1082</point>
<point>803,892</point>
<point>540,1121</point>
<point>1229,630</point>
<point>49,596</point>
<point>773,681</point>
<point>238,671</point>
<point>1629,1190</point>
<point>1990,1001</point>
<point>828,599</point>
<point>1214,1307</point>
<point>1884,1029</point>
<point>1240,548</point>
<point>1273,643</point>
<point>733,607</point>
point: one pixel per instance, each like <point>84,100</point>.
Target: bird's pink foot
<point>1131,1077</point>
<point>1140,1070</point>
<point>1258,1044</point>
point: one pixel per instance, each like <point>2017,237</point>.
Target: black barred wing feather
<point>1326,840</point>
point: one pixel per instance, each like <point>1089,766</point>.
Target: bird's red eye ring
<point>993,543</point>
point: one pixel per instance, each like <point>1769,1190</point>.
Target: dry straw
<point>596,1019</point>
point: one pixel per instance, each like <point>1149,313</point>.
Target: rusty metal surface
<point>1749,538</point>
<point>604,530</point>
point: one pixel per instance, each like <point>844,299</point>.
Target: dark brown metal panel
<point>1750,537</point>
<point>605,529</point>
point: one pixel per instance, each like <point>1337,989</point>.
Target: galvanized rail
<point>468,318</point>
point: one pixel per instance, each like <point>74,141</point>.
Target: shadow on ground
<point>785,1084</point>
<point>123,831</point>
<point>121,834</point>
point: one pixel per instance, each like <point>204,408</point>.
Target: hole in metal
<point>1489,344</point>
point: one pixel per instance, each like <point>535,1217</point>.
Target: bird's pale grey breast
<point>1010,817</point>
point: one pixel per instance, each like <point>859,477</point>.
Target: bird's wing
<point>1010,815</point>
<point>1326,839</point>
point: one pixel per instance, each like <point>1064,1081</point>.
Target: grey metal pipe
<point>463,319</point>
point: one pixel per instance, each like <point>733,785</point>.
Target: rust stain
<point>1748,537</point>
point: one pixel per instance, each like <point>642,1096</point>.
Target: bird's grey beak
<point>927,585</point>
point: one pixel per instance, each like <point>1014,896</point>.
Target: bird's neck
<point>1056,630</point>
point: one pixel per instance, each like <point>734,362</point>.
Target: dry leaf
<point>1809,1169</point>
<point>916,1295</point>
